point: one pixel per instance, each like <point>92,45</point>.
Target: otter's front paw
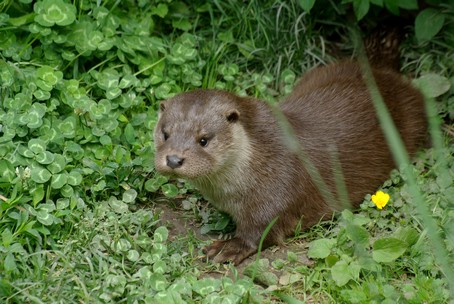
<point>234,250</point>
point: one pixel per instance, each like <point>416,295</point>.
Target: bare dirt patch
<point>183,227</point>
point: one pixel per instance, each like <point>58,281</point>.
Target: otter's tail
<point>382,47</point>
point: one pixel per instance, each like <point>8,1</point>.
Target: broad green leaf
<point>169,190</point>
<point>182,24</point>
<point>74,178</point>
<point>158,282</point>
<point>59,180</point>
<point>68,127</point>
<point>34,120</point>
<point>386,250</point>
<point>128,81</point>
<point>206,286</point>
<point>10,263</point>
<point>342,272</point>
<point>7,237</point>
<point>37,145</point>
<point>161,10</point>
<point>58,164</point>
<point>45,157</point>
<point>42,94</point>
<point>306,5</point>
<point>428,23</point>
<point>113,93</point>
<point>105,140</point>
<point>160,267</point>
<point>432,85</point>
<point>321,248</point>
<point>44,217</point>
<point>51,12</point>
<point>359,235</point>
<point>409,235</point>
<point>392,6</point>
<point>122,245</point>
<point>48,207</point>
<point>133,255</point>
<point>40,175</point>
<point>118,206</point>
<point>153,185</point>
<point>408,4</point>
<point>37,194</point>
<point>129,133</point>
<point>361,7</point>
<point>62,203</point>
<point>67,191</point>
<point>129,196</point>
<point>161,234</point>
<point>7,173</point>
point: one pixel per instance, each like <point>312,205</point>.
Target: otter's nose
<point>173,161</point>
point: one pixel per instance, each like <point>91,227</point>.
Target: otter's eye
<point>203,142</point>
<point>165,135</point>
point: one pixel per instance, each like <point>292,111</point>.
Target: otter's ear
<point>232,115</point>
<point>162,107</point>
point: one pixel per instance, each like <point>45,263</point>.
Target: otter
<point>235,151</point>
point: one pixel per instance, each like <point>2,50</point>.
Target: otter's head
<point>197,134</point>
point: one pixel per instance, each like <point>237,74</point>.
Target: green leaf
<point>160,267</point>
<point>342,272</point>
<point>306,5</point>
<point>44,217</point>
<point>409,235</point>
<point>129,196</point>
<point>40,175</point>
<point>161,234</point>
<point>161,10</point>
<point>169,190</point>
<point>130,134</point>
<point>37,145</point>
<point>42,94</point>
<point>59,180</point>
<point>37,194</point>
<point>45,157</point>
<point>133,255</point>
<point>360,7</point>
<point>74,178</point>
<point>58,164</point>
<point>182,24</point>
<point>10,263</point>
<point>51,12</point>
<point>68,127</point>
<point>158,282</point>
<point>153,185</point>
<point>386,250</point>
<point>428,23</point>
<point>432,85</point>
<point>408,4</point>
<point>118,206</point>
<point>392,6</point>
<point>359,235</point>
<point>321,248</point>
<point>7,237</point>
<point>7,173</point>
<point>62,203</point>
<point>67,191</point>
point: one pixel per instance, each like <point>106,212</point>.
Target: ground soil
<point>182,225</point>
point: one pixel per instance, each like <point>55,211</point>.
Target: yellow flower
<point>380,199</point>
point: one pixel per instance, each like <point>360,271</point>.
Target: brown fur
<point>247,170</point>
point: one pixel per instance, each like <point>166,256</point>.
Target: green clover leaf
<point>51,12</point>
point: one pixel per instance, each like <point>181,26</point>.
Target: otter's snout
<point>174,161</point>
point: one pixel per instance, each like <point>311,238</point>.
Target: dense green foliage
<point>79,86</point>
